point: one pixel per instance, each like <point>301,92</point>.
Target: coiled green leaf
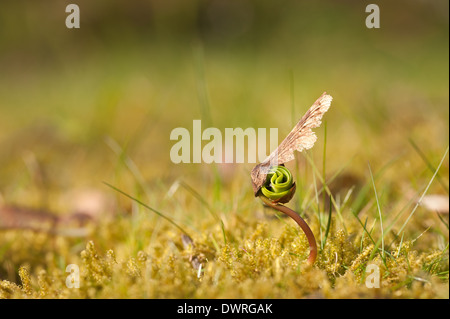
<point>279,185</point>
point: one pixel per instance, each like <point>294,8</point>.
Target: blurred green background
<point>136,70</point>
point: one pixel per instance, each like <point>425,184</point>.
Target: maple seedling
<point>273,183</point>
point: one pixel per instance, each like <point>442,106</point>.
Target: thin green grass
<point>380,216</point>
<point>205,109</point>
<point>423,194</point>
<point>428,163</point>
<point>327,230</point>
<point>293,123</point>
<point>336,207</point>
<point>324,162</point>
<point>124,159</point>
<point>170,220</point>
<point>202,200</point>
<point>442,220</point>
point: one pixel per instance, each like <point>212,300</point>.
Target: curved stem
<point>300,221</point>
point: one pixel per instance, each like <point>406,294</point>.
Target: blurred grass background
<point>133,72</point>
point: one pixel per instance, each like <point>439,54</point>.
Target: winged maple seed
<point>300,138</point>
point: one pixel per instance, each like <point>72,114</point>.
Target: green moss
<point>258,265</point>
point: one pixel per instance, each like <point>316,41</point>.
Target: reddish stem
<point>301,222</point>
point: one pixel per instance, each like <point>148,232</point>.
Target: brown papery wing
<point>300,138</point>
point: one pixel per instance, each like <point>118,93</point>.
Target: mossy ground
<point>141,256</point>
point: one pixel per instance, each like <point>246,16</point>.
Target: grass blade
<point>429,165</point>
<point>379,213</point>
<point>206,204</point>
<point>424,192</point>
<point>327,230</point>
<point>148,207</point>
<point>327,189</point>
